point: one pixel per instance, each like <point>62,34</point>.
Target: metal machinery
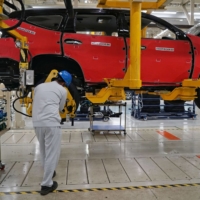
<point>5,114</point>
<point>119,127</point>
<point>114,91</point>
<point>145,106</point>
<point>69,106</point>
<point>26,78</point>
<point>115,88</point>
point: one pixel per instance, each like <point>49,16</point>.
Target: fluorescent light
<point>195,13</point>
<point>165,12</point>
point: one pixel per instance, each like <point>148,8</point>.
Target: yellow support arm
<point>132,76</point>
<point>126,4</point>
<point>181,93</point>
<point>69,103</point>
<point>22,44</point>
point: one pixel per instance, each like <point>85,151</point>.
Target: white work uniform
<point>49,99</point>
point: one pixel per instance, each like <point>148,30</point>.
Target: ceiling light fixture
<point>196,13</point>
<point>165,12</point>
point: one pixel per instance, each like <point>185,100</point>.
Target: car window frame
<point>45,26</point>
<point>94,13</point>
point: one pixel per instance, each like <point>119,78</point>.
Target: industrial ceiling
<point>177,12</point>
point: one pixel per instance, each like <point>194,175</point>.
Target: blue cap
<point>66,76</point>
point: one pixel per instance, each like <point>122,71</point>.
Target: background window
<point>46,21</point>
<point>96,24</point>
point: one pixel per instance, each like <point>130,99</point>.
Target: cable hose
<point>5,11</point>
<point>31,58</point>
<point>10,5</point>
<point>21,18</point>
<point>18,110</point>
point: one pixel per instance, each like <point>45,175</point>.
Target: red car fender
<point>8,49</point>
<point>41,41</point>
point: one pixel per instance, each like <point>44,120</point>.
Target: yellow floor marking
<point>132,188</point>
<point>23,192</point>
<point>151,187</point>
<point>141,187</point>
<point>85,190</point>
<point>106,189</point>
<point>95,190</point>
<point>65,190</point>
<point>75,190</point>
<point>35,192</point>
<point>114,189</point>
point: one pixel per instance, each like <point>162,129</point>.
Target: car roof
<point>62,11</point>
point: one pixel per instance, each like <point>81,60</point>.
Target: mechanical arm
<point>26,76</point>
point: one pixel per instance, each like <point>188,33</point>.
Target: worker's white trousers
<point>50,144</point>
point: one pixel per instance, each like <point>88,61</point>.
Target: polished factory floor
<point>156,159</point>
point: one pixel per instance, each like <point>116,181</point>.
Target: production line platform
<point>142,157</point>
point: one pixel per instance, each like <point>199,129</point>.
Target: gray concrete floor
<point>153,152</point>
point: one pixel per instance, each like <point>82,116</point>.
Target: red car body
<point>165,62</point>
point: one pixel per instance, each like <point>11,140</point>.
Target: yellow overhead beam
<point>126,4</point>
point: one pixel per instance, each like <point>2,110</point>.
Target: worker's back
<point>49,98</point>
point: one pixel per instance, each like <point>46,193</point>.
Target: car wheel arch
<point>60,63</point>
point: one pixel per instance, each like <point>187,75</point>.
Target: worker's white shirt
<point>49,99</point>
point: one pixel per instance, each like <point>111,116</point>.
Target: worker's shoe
<point>46,190</point>
<point>54,174</point>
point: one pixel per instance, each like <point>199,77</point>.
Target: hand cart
<point>98,128</point>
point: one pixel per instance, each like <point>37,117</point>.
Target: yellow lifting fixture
<point>70,106</point>
<point>22,43</point>
<point>115,88</point>
<point>147,4</point>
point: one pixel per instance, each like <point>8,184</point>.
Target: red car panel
<point>8,49</point>
<point>196,42</point>
<point>40,40</point>
<point>99,56</point>
<point>165,61</point>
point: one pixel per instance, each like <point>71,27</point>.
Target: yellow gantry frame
<point>115,89</point>
<point>126,4</point>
